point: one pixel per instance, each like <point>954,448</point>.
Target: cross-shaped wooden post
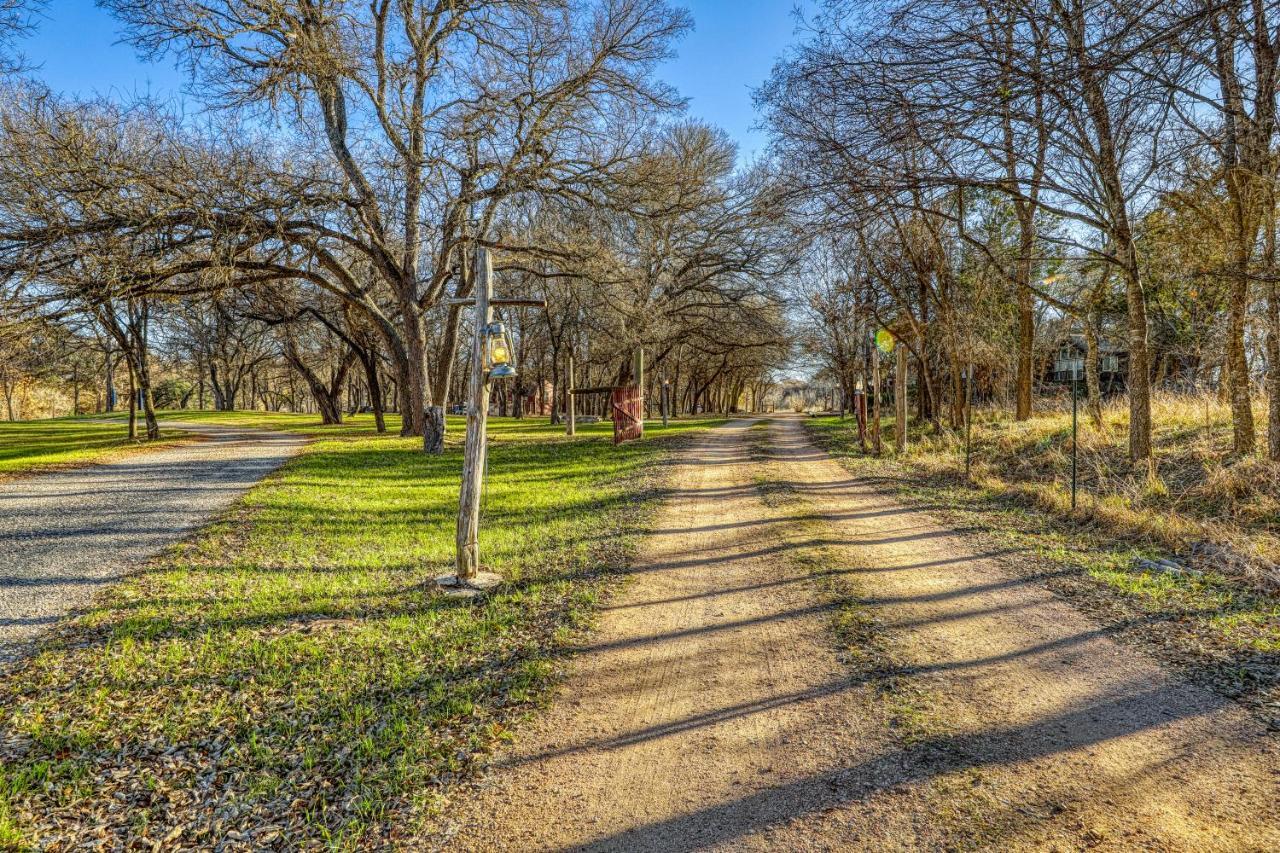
<point>469,579</point>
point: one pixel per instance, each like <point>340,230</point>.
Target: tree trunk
<point>875,400</point>
<point>133,404</point>
<point>900,401</point>
<point>220,401</point>
<point>1141,453</point>
<point>1273,373</point>
<point>1243,437</point>
<point>957,395</point>
<point>111,382</point>
<point>437,426</point>
<point>369,360</point>
<point>328,398</point>
<point>555,388</point>
<point>1108,167</point>
<point>414,384</point>
<point>1026,324</point>
<point>8,399</point>
<point>144,391</point>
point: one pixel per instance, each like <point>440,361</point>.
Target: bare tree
<point>1230,108</point>
<point>432,113</point>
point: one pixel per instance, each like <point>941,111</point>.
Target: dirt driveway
<point>714,707</point>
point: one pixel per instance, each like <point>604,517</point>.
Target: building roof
<point>1105,347</point>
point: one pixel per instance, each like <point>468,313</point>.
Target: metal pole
<point>1075,405</point>
<point>665,393</point>
<point>900,401</point>
<point>968,424</point>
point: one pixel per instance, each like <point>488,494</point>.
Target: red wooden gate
<point>627,405</point>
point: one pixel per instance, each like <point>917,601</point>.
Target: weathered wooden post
<point>468,578</point>
<point>468,557</point>
<point>637,368</point>
<point>571,422</point>
<point>900,401</point>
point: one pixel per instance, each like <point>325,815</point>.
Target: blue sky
<point>729,53</point>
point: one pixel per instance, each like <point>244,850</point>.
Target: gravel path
<point>65,535</point>
<point>709,711</point>
<point>706,703</point>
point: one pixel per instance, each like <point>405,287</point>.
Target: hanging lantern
<point>499,357</point>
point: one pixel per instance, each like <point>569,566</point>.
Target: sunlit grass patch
<point>292,670</point>
<point>33,447</point>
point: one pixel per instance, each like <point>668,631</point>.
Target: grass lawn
<point>1215,622</point>
<point>33,447</point>
<point>286,678</point>
<point>287,422</point>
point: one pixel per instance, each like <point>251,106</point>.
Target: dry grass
<point>1216,513</point>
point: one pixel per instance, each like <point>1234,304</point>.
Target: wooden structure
<point>469,579</point>
<point>626,403</point>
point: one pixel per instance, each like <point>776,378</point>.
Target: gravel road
<point>65,535</point>
<point>709,709</point>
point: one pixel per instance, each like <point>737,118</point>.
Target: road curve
<point>65,535</point>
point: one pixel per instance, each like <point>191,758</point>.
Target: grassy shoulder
<point>1214,624</point>
<point>288,677</point>
<point>36,447</point>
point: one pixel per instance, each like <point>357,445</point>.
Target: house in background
<point>1113,363</point>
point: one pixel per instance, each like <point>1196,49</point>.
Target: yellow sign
<point>885,341</point>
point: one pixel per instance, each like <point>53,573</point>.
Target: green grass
<point>290,671</point>
<point>32,447</point>
<point>288,422</point>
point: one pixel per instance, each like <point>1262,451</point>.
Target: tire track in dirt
<point>1074,741</point>
<point>709,703</point>
<point>710,709</point>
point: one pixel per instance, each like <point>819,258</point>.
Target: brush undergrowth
<point>1214,611</point>
<point>1217,513</point>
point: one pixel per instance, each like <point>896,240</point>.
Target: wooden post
<point>571,423</point>
<point>900,401</point>
<point>638,369</point>
<point>477,419</point>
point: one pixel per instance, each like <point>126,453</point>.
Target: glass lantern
<point>499,353</point>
